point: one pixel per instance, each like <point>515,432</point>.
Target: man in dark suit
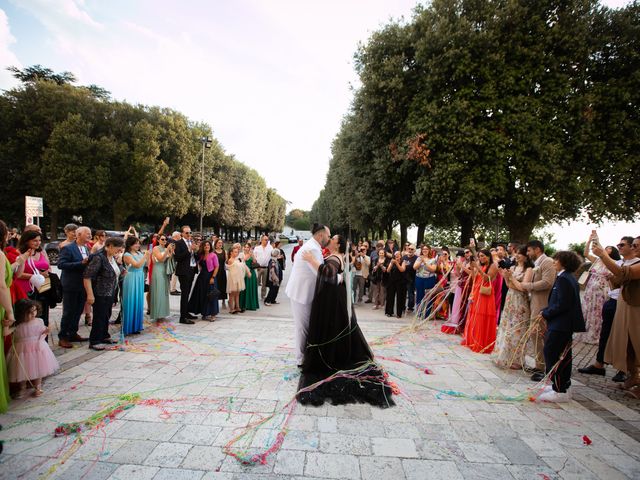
<point>72,261</point>
<point>185,271</point>
<point>563,316</point>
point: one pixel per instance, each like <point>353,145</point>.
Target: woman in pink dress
<point>37,262</point>
<point>30,358</point>
<point>455,323</point>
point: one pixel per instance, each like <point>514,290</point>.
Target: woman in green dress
<point>6,314</point>
<point>160,280</point>
<point>249,296</point>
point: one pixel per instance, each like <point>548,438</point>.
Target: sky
<point>273,78</point>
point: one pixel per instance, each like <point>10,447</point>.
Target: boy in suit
<point>563,316</point>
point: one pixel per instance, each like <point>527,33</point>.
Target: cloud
<point>7,57</point>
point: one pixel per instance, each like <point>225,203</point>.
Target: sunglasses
<point>620,245</point>
<point>187,233</point>
<point>163,239</point>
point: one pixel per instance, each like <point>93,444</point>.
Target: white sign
<point>33,207</point>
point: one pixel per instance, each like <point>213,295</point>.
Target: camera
<point>505,263</point>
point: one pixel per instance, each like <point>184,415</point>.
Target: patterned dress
<point>592,298</point>
<point>510,342</point>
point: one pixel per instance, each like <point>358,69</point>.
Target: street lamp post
<point>206,143</point>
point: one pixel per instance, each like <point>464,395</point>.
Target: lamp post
<point>206,143</point>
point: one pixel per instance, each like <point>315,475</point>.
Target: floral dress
<point>593,297</point>
<point>511,342</point>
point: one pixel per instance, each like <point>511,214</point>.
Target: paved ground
<point>226,386</point>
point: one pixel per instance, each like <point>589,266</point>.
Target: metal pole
<point>202,187</point>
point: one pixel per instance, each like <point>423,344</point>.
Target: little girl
<point>30,358</point>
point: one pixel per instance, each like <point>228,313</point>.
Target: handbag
<point>486,289</point>
<point>213,293</point>
<point>55,293</point>
<point>37,279</point>
<point>171,266</point>
<point>46,286</point>
<point>584,278</point>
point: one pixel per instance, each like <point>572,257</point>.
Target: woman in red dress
<point>481,324</point>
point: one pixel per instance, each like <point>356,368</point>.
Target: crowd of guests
<point>98,271</point>
<point>513,301</point>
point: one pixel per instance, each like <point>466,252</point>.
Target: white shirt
<point>263,254</point>
<point>302,281</point>
<point>615,293</point>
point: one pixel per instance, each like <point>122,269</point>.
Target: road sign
<point>33,207</point>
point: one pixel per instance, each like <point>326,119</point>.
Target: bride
<point>338,363</point>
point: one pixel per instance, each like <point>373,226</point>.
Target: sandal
<point>37,392</point>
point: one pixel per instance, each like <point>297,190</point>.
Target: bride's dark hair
<point>342,244</point>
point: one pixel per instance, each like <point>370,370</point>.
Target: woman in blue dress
<point>133,287</point>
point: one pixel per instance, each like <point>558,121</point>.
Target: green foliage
<point>113,162</point>
<point>495,116</point>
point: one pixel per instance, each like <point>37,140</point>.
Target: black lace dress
<point>338,363</point>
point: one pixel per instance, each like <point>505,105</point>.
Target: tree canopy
<point>489,115</point>
<point>112,162</point>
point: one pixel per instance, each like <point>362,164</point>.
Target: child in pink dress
<point>30,359</point>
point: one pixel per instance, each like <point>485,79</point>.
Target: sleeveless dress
<point>221,278</point>
<point>5,398</point>
<point>30,357</point>
<point>249,296</point>
<point>480,329</point>
<point>592,299</point>
<point>235,276</point>
<point>336,343</point>
<point>159,289</point>
<point>510,342</point>
<point>133,298</point>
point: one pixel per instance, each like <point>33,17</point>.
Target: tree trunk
<point>54,224</point>
<point>521,226</point>
<point>420,237</point>
<point>466,227</point>
<point>403,235</point>
<point>389,231</point>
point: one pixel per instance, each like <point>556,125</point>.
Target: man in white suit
<point>301,286</point>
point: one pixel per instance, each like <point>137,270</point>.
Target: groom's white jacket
<point>302,281</point>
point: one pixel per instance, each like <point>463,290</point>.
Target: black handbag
<point>213,293</point>
<point>55,292</point>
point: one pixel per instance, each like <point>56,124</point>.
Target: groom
<point>301,287</point>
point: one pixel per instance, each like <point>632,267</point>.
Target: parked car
<point>292,238</point>
<point>53,248</point>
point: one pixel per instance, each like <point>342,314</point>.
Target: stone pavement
<point>225,386</point>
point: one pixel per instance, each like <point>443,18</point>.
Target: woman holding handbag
<point>33,274</point>
<point>162,256</point>
<point>480,328</point>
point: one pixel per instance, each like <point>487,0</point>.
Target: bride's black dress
<point>335,346</point>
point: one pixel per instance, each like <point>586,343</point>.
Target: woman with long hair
<point>133,287</point>
<point>425,267</point>
<point>480,329</point>
<point>462,282</point>
<point>159,288</point>
<point>335,342</point>
<point>595,293</point>
<point>249,296</point>
<point>237,270</point>
<point>204,297</point>
<point>221,277</point>
<point>37,263</point>
<point>511,337</point>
